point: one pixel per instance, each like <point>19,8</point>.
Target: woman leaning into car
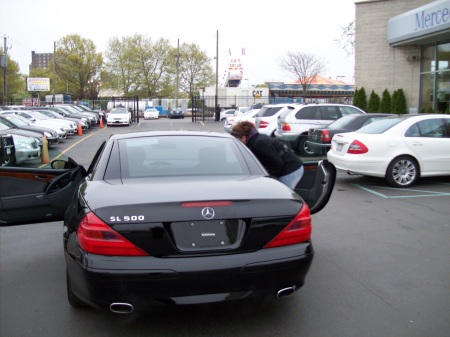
<point>274,155</point>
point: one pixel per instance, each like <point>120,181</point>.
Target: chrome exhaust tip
<point>121,308</point>
<point>286,292</point>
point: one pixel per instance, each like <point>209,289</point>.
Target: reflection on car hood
<point>143,194</point>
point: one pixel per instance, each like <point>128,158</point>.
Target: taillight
<point>263,124</point>
<point>297,231</point>
<point>286,127</point>
<point>356,147</point>
<point>96,237</point>
<point>325,137</point>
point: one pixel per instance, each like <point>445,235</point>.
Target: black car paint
<point>241,269</point>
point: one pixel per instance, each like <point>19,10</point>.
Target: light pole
<point>178,70</point>
<point>4,66</point>
<point>216,106</point>
<point>339,77</point>
<point>54,72</point>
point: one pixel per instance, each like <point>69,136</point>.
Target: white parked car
<point>230,122</point>
<point>400,149</point>
<point>119,116</point>
<point>266,121</point>
<point>63,127</point>
<point>293,124</point>
<point>26,148</point>
<point>241,110</point>
<point>151,113</point>
<point>226,113</point>
<point>54,115</point>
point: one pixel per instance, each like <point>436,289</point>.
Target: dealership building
<point>405,44</point>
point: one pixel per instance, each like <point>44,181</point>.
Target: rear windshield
<point>380,126</point>
<point>179,155</point>
<point>268,111</point>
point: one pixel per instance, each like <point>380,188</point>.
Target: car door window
<point>306,113</point>
<point>432,128</point>
<point>327,113</point>
<point>413,131</point>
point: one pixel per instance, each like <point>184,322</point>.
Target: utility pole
<point>54,71</point>
<point>4,63</point>
<point>217,117</point>
<point>178,70</point>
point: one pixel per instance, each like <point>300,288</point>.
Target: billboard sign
<point>235,70</point>
<point>38,84</point>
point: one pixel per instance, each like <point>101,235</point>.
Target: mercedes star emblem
<point>208,213</point>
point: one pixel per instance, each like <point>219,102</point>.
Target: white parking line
<point>417,192</point>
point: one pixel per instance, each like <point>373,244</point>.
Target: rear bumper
<point>151,283</point>
<point>118,123</point>
<point>287,136</point>
<point>359,165</point>
<point>319,148</point>
<point>52,140</point>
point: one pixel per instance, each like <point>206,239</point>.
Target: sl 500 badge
<point>126,218</point>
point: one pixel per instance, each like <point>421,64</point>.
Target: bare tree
<point>304,66</point>
<point>347,39</point>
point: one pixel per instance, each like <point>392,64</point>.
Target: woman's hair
<point>241,129</point>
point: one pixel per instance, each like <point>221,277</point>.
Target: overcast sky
<point>266,30</point>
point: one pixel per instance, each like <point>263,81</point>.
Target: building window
<point>443,55</point>
<point>435,78</point>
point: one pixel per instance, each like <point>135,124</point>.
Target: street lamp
<point>248,82</point>
<point>339,77</point>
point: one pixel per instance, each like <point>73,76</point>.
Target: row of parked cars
<point>27,126</point>
<point>399,148</point>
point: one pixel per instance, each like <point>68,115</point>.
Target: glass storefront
<point>435,78</point>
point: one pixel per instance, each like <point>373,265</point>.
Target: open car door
<point>31,195</point>
<point>317,184</point>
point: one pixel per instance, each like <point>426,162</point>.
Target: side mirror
<point>59,164</point>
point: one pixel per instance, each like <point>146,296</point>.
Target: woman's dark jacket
<point>275,156</point>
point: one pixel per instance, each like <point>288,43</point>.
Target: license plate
<point>339,147</point>
<point>198,235</point>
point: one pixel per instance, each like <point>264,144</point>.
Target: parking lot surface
<point>381,268</point>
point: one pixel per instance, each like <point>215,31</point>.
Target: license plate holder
<point>206,235</point>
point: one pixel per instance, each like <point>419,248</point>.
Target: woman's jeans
<point>292,178</point>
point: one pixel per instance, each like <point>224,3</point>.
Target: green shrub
<point>374,102</point>
<point>360,100</point>
<point>385,104</point>
<point>398,104</point>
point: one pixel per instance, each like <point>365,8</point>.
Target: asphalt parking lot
<point>381,268</point>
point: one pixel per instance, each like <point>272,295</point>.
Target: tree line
<point>134,65</point>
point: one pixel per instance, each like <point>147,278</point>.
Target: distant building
<point>40,60</point>
<point>321,90</point>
